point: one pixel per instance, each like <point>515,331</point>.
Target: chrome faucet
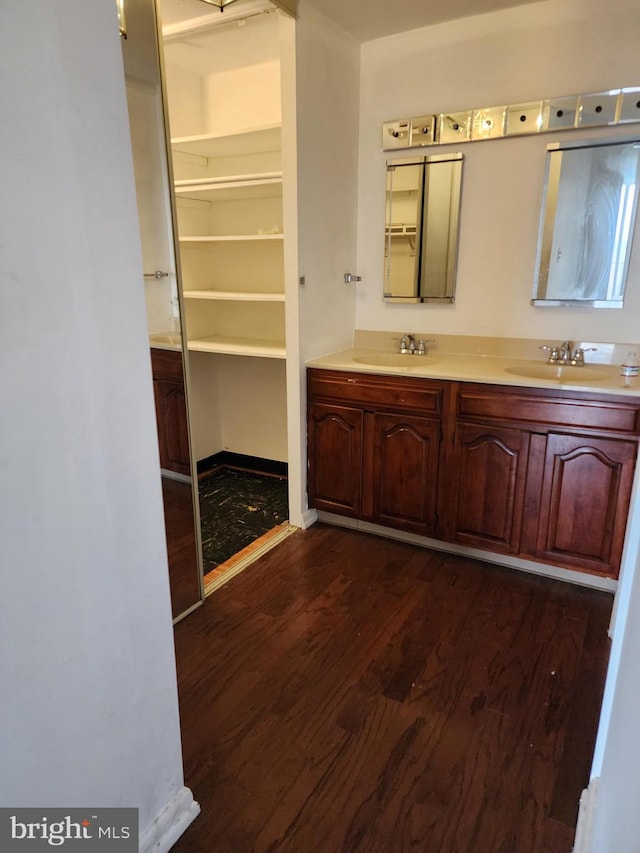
<point>562,354</point>
<point>408,344</point>
<point>565,352</point>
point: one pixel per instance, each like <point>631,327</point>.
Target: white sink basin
<point>560,372</point>
<point>394,359</point>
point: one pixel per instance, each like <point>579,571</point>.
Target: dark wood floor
<point>349,693</point>
<point>181,544</point>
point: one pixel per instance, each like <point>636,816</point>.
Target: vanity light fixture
<point>219,4</point>
<point>598,109</point>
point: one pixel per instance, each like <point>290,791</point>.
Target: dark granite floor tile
<point>236,507</point>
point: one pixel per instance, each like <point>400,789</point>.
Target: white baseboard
<point>309,517</point>
<point>175,475</point>
<point>169,825</point>
<point>543,569</point>
<point>586,815</point>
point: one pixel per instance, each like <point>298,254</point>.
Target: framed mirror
<point>586,225</point>
<point>168,355</point>
<point>421,228</point>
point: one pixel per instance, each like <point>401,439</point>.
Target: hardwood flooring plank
<point>350,693</point>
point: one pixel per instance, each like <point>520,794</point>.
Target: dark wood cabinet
<point>541,474</point>
<point>486,486</point>
<point>335,439</point>
<point>586,489</point>
<point>374,447</point>
<point>404,471</point>
<point>171,410</point>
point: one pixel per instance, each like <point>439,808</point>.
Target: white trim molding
<point>586,816</point>
<point>170,823</point>
<point>542,569</point>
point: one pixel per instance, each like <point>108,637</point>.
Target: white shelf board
<point>251,141</point>
<point>245,178</point>
<point>213,190</point>
<point>256,348</point>
<point>233,296</point>
<point>230,238</point>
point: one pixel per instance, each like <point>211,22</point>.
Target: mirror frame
<point>422,200</point>
<point>547,226</point>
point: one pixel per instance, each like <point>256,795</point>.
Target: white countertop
<point>594,378</point>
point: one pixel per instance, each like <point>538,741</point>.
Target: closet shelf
<point>231,238</point>
<point>239,188</point>
<point>209,182</point>
<point>401,229</point>
<point>256,347</point>
<point>233,296</point>
<point>208,145</point>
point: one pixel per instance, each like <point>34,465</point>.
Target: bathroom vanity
<point>171,409</point>
<point>538,468</point>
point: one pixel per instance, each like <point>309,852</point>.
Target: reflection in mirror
<point>152,180</point>
<point>586,226</point>
<point>421,228</point>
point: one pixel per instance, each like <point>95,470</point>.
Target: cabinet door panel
<point>171,417</point>
<point>405,472</point>
<point>489,475</point>
<point>335,458</point>
<point>585,500</point>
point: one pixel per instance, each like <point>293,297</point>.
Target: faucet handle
<point>554,353</point>
<point>422,345</point>
<point>577,359</point>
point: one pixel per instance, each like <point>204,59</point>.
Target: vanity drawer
<point>376,391</point>
<point>548,408</point>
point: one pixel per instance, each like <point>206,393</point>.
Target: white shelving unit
<point>233,346</point>
<point>230,238</point>
<point>224,97</point>
<point>210,203</point>
<point>233,296</point>
<point>208,146</point>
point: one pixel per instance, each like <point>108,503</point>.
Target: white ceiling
<point>364,19</point>
<point>372,19</point>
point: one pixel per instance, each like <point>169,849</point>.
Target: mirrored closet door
<point>222,90</point>
<point>142,62</point>
<point>222,75</point>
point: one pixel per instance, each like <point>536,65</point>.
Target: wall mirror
<point>586,225</point>
<point>421,228</point>
<point>152,172</point>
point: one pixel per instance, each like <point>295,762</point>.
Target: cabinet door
<point>335,458</point>
<point>488,477</point>
<point>585,500</point>
<point>404,473</point>
<point>171,416</point>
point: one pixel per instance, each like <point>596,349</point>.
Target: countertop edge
<point>460,367</point>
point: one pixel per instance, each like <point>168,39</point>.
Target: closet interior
<point>222,77</point>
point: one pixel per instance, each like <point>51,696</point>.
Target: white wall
<point>322,92</point>
<point>89,712</point>
<point>548,49</point>
<point>149,162</point>
<point>327,121</point>
<point>617,753</point>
